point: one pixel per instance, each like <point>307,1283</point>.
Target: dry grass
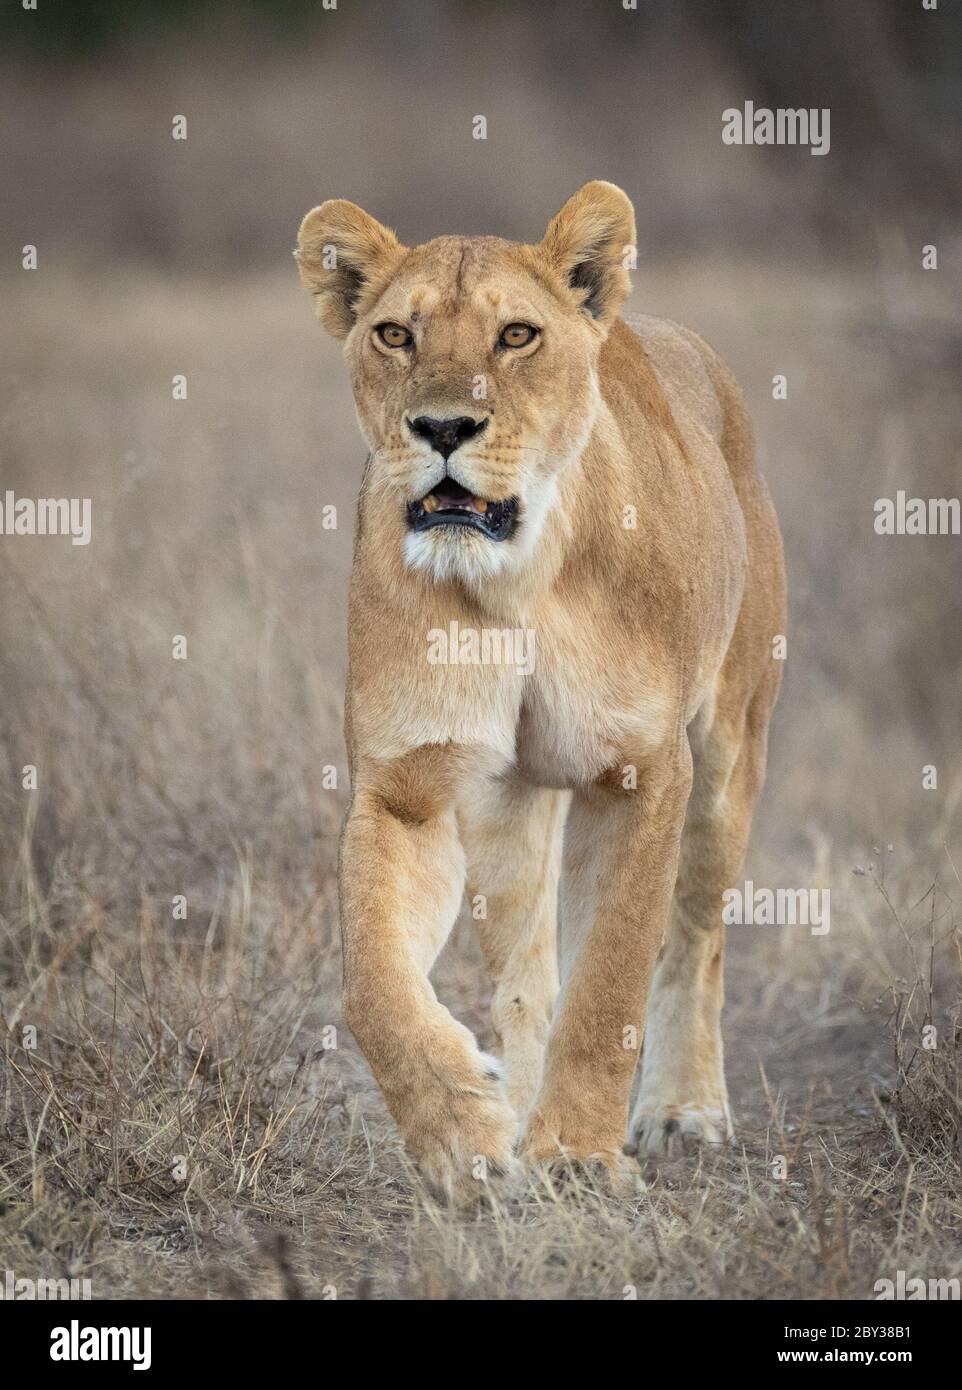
<point>159,1040</point>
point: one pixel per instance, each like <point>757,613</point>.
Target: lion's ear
<point>591,244</point>
<point>344,256</point>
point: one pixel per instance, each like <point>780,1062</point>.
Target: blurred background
<point>159,257</point>
<point>288,99</point>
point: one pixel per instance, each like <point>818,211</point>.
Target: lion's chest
<point>577,724</point>
<point>561,752</point>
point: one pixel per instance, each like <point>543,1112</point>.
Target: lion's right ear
<point>590,244</point>
<point>344,257</point>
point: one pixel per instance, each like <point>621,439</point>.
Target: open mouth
<point>450,504</point>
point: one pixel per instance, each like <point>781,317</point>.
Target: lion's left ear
<point>591,244</point>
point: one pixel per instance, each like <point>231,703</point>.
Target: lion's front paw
<point>461,1133</point>
<point>668,1131</point>
<point>574,1163</point>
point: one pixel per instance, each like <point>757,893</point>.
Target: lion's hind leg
<point>682,1098</point>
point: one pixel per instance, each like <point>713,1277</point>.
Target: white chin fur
<point>455,553</point>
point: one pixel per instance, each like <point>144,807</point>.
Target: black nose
<point>446,435</point>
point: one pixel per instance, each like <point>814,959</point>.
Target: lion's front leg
<point>402,877</point>
<point>620,861</point>
<point>512,837</point>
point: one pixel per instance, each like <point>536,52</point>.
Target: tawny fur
<point>623,767</point>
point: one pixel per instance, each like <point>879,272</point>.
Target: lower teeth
<point>477,504</point>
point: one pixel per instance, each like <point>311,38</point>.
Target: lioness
<point>538,467</point>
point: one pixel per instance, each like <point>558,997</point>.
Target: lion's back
<point>704,399</point>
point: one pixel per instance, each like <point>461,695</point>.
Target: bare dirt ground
<point>173,1120</point>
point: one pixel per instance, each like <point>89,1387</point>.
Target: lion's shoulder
<point>687,370</point>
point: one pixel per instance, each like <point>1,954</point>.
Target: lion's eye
<point>392,335</point>
<point>517,335</point>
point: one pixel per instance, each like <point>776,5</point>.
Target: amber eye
<point>517,335</point>
<point>392,335</point>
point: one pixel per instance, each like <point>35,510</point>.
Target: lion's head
<point>474,367</point>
